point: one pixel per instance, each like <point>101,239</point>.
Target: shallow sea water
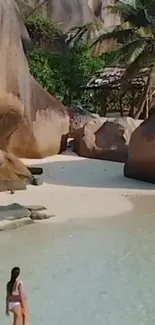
<point>87,272</point>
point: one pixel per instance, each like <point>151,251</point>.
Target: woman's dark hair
<point>14,275</point>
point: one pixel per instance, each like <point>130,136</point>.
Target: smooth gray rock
<point>35,170</point>
<point>35,207</point>
<point>35,215</point>
<point>14,211</point>
<point>15,215</point>
<point>36,181</point>
<point>14,224</point>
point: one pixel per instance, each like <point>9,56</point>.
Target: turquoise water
<point>87,272</point>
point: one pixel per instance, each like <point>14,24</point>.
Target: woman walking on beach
<point>15,298</point>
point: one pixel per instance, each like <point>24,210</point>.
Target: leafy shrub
<point>65,74</point>
<point>43,32</point>
<point>40,68</point>
<point>63,71</point>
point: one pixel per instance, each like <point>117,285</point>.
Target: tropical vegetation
<point>64,71</point>
<point>132,41</point>
<point>64,63</point>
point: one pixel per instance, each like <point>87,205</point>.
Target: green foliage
<point>73,69</point>
<point>65,74</point>
<point>40,68</point>
<point>42,31</point>
<point>133,40</point>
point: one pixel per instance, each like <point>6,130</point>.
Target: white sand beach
<point>75,187</point>
<point>94,262</point>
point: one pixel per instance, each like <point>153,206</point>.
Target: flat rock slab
<point>35,207</point>
<point>35,215</point>
<point>13,212</point>
<point>35,170</point>
<point>15,215</point>
<point>14,224</point>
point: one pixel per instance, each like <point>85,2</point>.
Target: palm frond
<point>123,9</point>
<point>130,12</point>
<point>128,52</point>
<point>76,34</point>
<point>149,10</point>
<point>135,66</point>
<point>109,41</point>
<point>87,32</point>
<point>146,31</point>
<point>137,51</point>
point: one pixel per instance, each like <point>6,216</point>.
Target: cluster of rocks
<point>15,215</point>
<point>117,139</point>
<point>101,138</point>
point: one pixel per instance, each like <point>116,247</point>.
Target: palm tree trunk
<point>121,107</point>
<point>132,108</point>
<point>143,99</point>
<point>147,107</point>
<point>103,111</point>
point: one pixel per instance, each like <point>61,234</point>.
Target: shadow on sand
<point>87,173</point>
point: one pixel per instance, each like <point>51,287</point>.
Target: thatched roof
<point>110,78</point>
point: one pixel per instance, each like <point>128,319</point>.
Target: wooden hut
<point>107,83</point>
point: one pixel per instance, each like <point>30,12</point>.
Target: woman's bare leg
<point>17,320</point>
<point>24,319</point>
<point>24,316</point>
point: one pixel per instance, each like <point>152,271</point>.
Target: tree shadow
<point>89,173</point>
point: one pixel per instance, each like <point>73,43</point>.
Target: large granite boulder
<point>49,131</point>
<point>44,124</point>
<point>72,13</point>
<point>10,117</point>
<point>14,175</point>
<point>141,152</point>
<point>105,138</point>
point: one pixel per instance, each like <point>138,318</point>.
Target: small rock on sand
<point>13,211</point>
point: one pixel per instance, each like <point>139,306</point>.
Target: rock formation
<point>44,121</point>
<point>141,154</point>
<point>49,131</point>
<point>15,215</point>
<point>105,139</point>
<point>72,13</point>
<point>10,118</point>
<point>14,175</point>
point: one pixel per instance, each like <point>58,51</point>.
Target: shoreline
<point>83,259</point>
<point>81,188</point>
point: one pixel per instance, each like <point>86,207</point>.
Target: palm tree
<point>87,33</point>
<point>133,42</point>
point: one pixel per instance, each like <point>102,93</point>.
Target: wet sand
<point>96,271</point>
<point>94,262</point>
